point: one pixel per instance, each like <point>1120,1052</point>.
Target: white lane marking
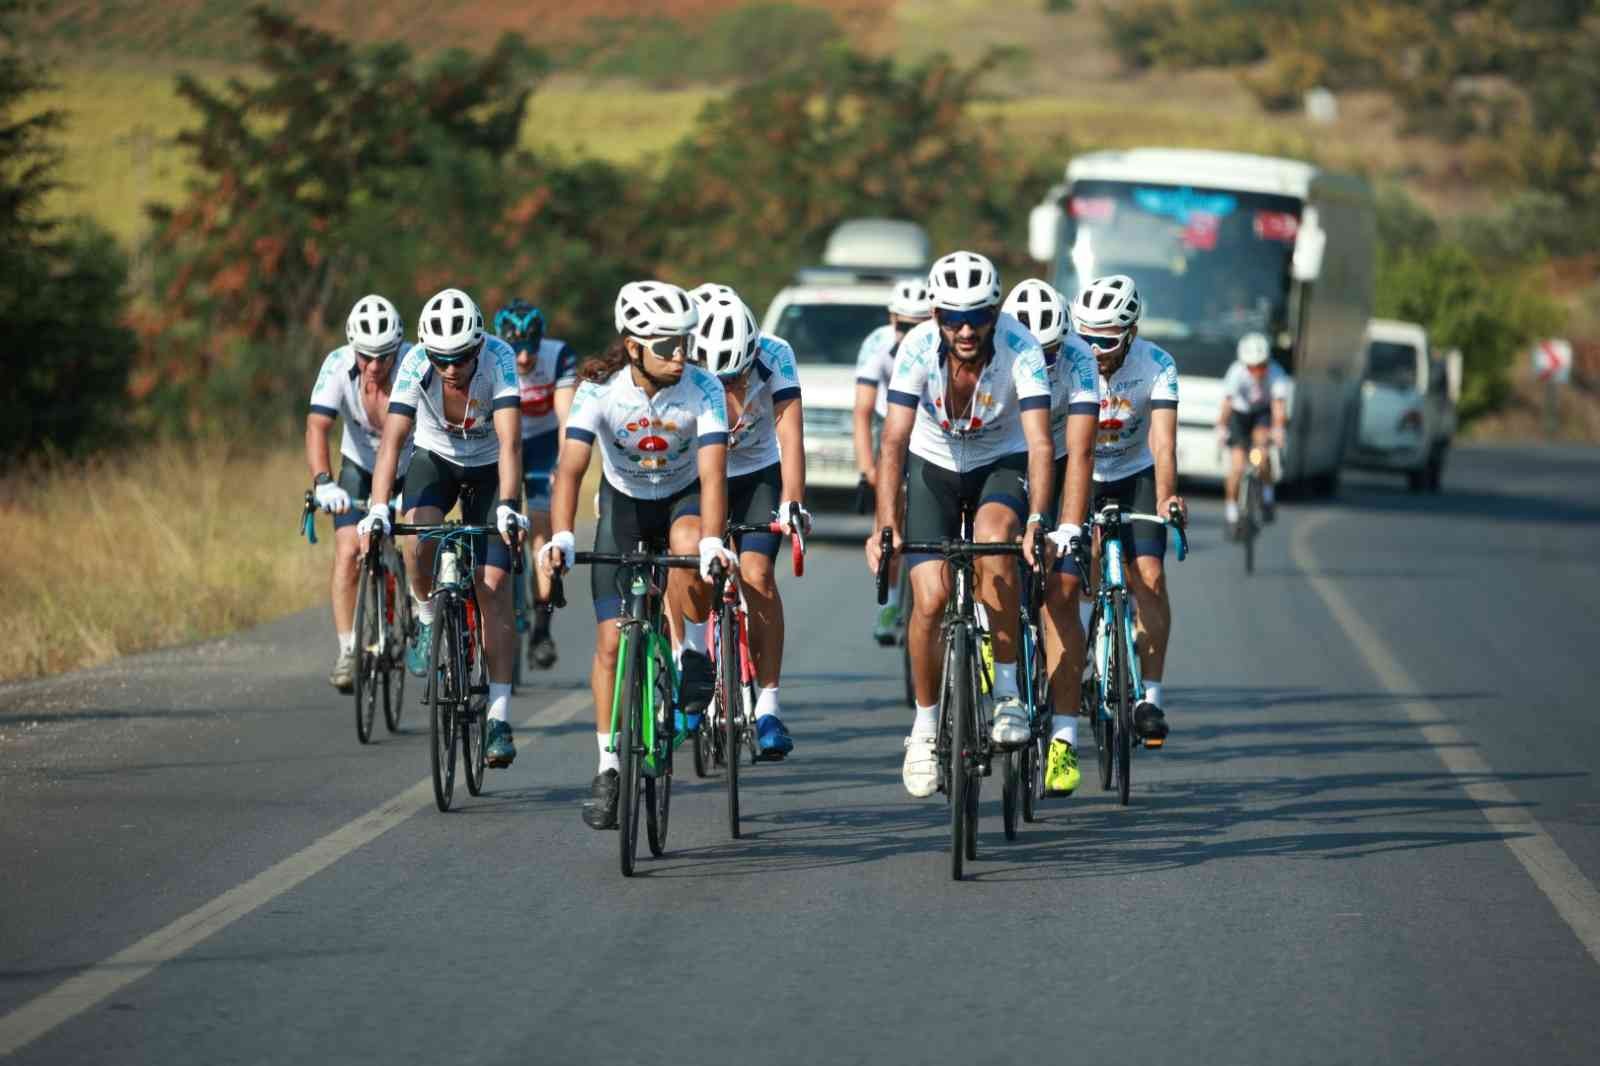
<point>75,995</point>
<point>1574,896</point>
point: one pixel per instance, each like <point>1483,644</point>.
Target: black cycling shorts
<point>437,482</point>
<point>624,522</point>
<point>357,482</point>
<point>1242,424</point>
<point>752,499</point>
<point>934,496</point>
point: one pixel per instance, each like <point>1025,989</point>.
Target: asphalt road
<point>1374,836</point>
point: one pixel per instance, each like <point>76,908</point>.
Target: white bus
<point>1222,244</point>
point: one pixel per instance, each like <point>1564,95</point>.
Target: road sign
<point>1552,361</point>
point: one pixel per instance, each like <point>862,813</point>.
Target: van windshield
<point>1394,365</point>
<point>829,333</point>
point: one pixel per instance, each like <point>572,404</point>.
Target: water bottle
<point>448,567</point>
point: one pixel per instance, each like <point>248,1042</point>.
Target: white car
<point>1408,412</point>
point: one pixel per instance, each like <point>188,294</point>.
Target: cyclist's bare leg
<point>1063,642</point>
<point>760,585</point>
<point>1261,437</point>
<point>687,594</point>
<point>930,587</point>
<point>997,577</point>
<point>499,623</point>
<point>538,535</point>
<point>419,554</point>
<point>345,570</point>
<point>1236,460</point>
<point>603,676</point>
<point>1148,581</point>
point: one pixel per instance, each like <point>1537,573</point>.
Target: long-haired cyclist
<point>661,424</point>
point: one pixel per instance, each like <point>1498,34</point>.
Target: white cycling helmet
<point>450,323</point>
<point>1111,302</point>
<point>911,299</point>
<point>1039,307</point>
<point>963,281</point>
<point>655,309</point>
<point>707,291</point>
<point>1254,349</point>
<point>727,337</point>
<point>374,326</point>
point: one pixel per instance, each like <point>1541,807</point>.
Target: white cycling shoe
<point>1011,729</point>
<point>920,772</point>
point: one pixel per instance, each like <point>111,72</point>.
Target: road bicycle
<point>729,724</point>
<point>384,627</point>
<point>962,746</point>
<point>644,699</point>
<point>1114,687</point>
<point>1252,505</point>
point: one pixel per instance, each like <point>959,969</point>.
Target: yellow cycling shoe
<point>1061,774</point>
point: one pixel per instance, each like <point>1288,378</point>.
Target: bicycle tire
<point>958,713</point>
<point>367,686</point>
<point>1124,690</point>
<point>1011,788</point>
<point>977,734</point>
<point>752,742</point>
<point>1032,780</point>
<point>444,687</point>
<point>658,788</point>
<point>705,747</point>
<point>398,618</point>
<point>1252,520</point>
<point>730,708</point>
<point>627,753</point>
<point>475,719</point>
<point>1103,727</point>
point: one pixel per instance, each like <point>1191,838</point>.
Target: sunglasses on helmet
<point>977,318</point>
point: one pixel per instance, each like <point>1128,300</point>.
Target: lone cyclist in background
<point>547,376</point>
<point>1254,412</point>
<point>1136,464</point>
<point>353,385</point>
<point>909,307</point>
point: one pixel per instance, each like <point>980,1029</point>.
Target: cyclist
<point>908,308</point>
<point>1074,411</point>
<point>970,397</point>
<point>1136,463</point>
<point>762,388</point>
<point>458,387</point>
<point>1255,410</point>
<point>354,384</point>
<point>547,376</point>
<point>662,427</point>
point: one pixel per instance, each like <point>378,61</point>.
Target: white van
<point>1408,410</point>
<point>825,314</point>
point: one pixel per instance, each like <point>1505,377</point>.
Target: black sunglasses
<point>368,357</point>
<point>444,359</point>
<point>977,318</point>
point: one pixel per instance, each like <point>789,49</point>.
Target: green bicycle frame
<point>657,653</point>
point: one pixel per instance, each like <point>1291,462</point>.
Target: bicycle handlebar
<point>797,542</point>
<point>558,590</point>
<point>1174,521</point>
<point>949,548</point>
<point>446,530</point>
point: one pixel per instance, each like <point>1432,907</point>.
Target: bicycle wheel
<point>397,616</point>
<point>705,747</point>
<point>752,742</point>
<point>1104,728</point>
<point>367,683</point>
<point>1032,780</point>
<point>730,707</point>
<point>1251,520</point>
<point>977,735</point>
<point>958,711</point>
<point>474,718</point>
<point>1011,789</point>
<point>658,788</point>
<point>1123,688</point>
<point>444,686</point>
<point>628,744</point>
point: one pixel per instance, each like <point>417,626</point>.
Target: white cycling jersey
<point>753,439</point>
<point>1074,387</point>
<point>1147,381</point>
<point>1013,380</point>
<point>875,365</point>
<point>337,394</point>
<point>554,367</point>
<point>493,387</point>
<point>1245,394</point>
<point>649,446</point>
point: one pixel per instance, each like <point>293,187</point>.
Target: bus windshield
<point>1211,264</point>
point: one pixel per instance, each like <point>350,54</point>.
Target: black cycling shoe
<point>600,809</point>
<point>1150,722</point>
<point>695,681</point>
<point>542,652</point>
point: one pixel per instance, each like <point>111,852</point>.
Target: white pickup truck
<point>825,314</point>
<point>1408,404</point>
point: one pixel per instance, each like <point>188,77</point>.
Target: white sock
<point>347,642</point>
<point>1064,727</point>
<point>767,702</point>
<point>894,596</point>
<point>424,610</point>
<point>608,759</point>
<point>1152,692</point>
<point>1230,510</point>
<point>499,701</point>
<point>927,721</point>
<point>1266,493</point>
<point>694,636</point>
<point>1005,680</point>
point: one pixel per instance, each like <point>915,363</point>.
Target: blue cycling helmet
<point>519,322</point>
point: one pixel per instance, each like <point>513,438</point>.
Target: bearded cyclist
<point>762,388</point>
<point>1136,464</point>
<point>353,385</point>
<point>970,398</point>
<point>908,308</point>
<point>1255,410</point>
<point>1074,411</point>
<point>661,424</point>
<point>547,376</point>
<point>458,388</point>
